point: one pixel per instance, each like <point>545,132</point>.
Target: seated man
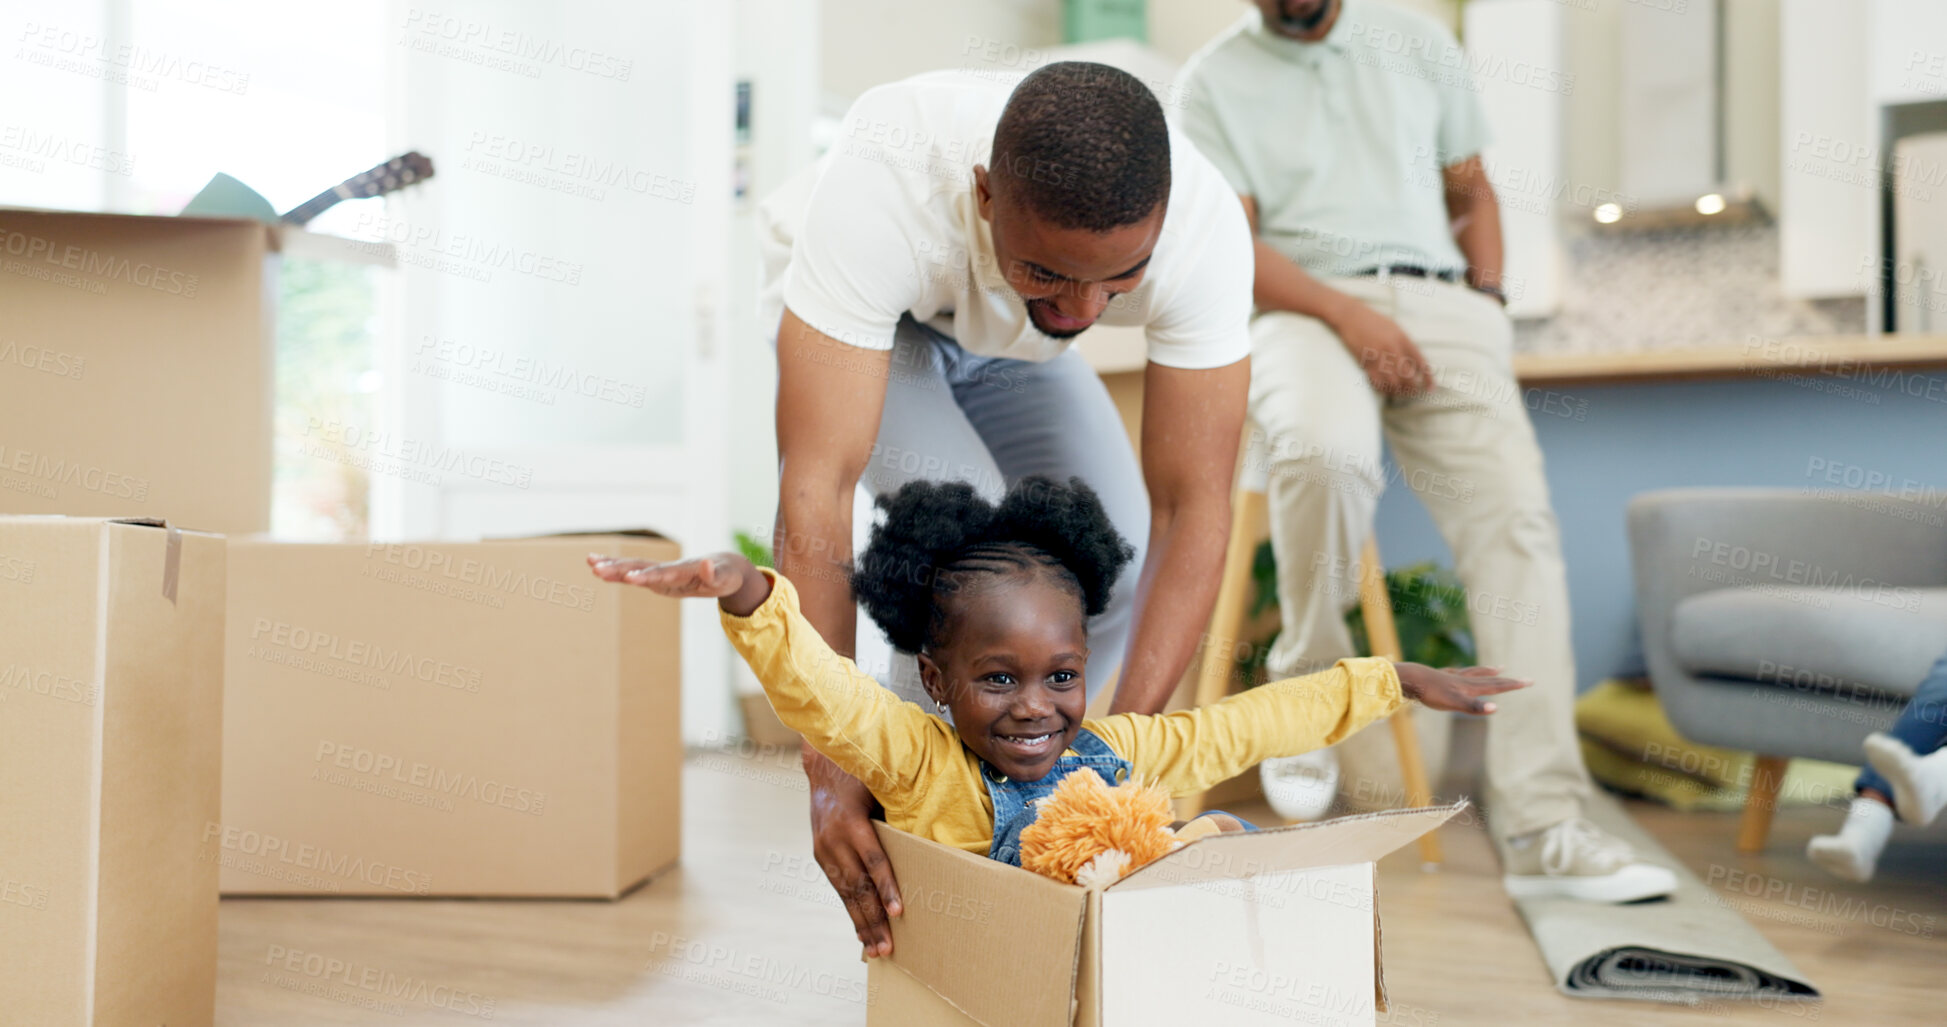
<point>1378,288</point>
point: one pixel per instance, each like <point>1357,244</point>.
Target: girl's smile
<point>1011,671</point>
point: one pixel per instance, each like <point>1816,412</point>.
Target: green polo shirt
<point>1341,141</point>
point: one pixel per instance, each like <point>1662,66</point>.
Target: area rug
<point>1688,949</point>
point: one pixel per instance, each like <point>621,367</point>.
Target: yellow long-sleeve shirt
<point>929,781</point>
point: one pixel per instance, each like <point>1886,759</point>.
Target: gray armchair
<point>1785,623</point>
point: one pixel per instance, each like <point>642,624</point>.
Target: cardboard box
<point>135,363</point>
<point>111,662</point>
<point>483,719</point>
<point>1265,927</point>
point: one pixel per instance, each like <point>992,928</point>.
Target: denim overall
<point>1014,800</point>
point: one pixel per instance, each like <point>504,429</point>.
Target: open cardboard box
<point>1263,927</point>
<point>136,362</point>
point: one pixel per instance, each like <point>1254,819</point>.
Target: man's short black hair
<point>1083,145</point>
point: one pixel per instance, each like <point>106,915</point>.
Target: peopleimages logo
<point>41,472</point>
<point>326,645</point>
<point>97,264</point>
<point>376,981</point>
<point>270,847</point>
<point>453,783</point>
<point>470,571</point>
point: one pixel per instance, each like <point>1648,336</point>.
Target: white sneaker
<point>1578,860</point>
<point>1853,853</point>
<point>1301,787</point>
<point>1919,782</point>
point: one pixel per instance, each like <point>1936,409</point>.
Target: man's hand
<point>1393,364</point>
<point>848,851</point>
<point>1461,690</point>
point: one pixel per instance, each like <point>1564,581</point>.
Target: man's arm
<point>1475,216</point>
<point>829,400</point>
<point>1191,423</point>
<point>1391,361</point>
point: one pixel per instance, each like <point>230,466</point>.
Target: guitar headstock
<point>391,176</point>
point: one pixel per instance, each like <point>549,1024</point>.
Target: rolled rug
<point>1690,948</point>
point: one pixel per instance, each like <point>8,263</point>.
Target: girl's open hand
<point>725,576</point>
<point>1461,689</point>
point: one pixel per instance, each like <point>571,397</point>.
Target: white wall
<point>777,49</point>
<point>866,42</point>
<point>1177,28</point>
<point>514,249</point>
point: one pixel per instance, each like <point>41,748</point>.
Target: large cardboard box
<point>483,719</point>
<point>1266,927</point>
<point>111,663</point>
<point>135,363</point>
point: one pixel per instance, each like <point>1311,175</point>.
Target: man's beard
<point>1307,23</point>
<point>1050,333</point>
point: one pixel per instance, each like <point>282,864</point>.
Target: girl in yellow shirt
<point>994,600</point>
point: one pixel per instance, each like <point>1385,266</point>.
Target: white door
<point>561,361</point>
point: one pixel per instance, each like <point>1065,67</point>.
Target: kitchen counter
<point>1113,351</point>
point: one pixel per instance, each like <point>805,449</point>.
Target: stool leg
<point>1766,776</point>
<point>1383,635</point>
<point>1214,670</point>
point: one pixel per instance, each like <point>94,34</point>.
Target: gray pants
<point>954,416</point>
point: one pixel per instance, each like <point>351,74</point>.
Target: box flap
<point>294,240</point>
<point>996,941</point>
<point>1378,951</point>
<point>622,532</point>
<point>1343,840</point>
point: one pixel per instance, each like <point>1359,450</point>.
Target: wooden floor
<point>747,932</point>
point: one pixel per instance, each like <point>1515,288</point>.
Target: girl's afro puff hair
<point>936,538</point>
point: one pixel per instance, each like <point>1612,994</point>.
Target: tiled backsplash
<point>1674,288</point>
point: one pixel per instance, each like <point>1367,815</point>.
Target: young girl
<point>995,601</point>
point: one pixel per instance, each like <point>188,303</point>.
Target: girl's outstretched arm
<point>730,579</point>
<point>839,709</point>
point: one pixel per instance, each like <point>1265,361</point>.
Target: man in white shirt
<point>1352,131</point>
<point>927,279</point>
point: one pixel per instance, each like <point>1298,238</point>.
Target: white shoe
<point>1853,853</point>
<point>1578,860</point>
<point>1919,782</point>
<point>1301,787</point>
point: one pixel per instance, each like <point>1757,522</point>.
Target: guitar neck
<point>304,212</point>
<point>395,174</point>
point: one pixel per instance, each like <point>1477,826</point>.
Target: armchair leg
<point>1766,777</point>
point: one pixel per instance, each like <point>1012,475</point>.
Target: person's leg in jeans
<point>1906,775</point>
<point>1915,770</point>
<point>1056,419</point>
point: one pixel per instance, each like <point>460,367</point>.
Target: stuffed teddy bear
<point>1090,834</point>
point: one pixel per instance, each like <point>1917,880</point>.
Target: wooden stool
<point>1227,624</point>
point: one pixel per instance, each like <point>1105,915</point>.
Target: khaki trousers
<point>1467,449</point>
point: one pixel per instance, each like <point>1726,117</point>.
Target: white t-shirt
<point>886,224</point>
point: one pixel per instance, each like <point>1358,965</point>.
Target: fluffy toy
<point>1090,834</point>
